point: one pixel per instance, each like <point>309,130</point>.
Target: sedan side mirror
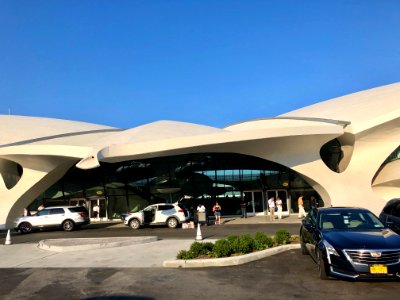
<point>307,225</point>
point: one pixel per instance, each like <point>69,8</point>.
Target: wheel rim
<point>172,223</point>
<point>135,224</point>
<point>68,225</point>
<point>25,228</point>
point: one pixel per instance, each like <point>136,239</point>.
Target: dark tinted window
<point>43,212</point>
<point>344,220</point>
<point>311,217</point>
<point>56,211</point>
<point>389,208</point>
<point>78,209</point>
<point>396,210</point>
<point>165,207</point>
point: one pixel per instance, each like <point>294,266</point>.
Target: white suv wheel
<point>134,224</point>
<point>172,223</point>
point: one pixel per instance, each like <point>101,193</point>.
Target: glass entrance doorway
<point>284,197</point>
<point>97,209</point>
<point>255,201</point>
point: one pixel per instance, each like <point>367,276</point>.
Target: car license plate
<point>378,269</point>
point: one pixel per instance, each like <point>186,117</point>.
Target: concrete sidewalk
<point>137,255</point>
<point>113,252</point>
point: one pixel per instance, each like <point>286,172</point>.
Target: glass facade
<point>191,178</point>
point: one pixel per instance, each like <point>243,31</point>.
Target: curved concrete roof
<point>17,129</point>
<point>364,109</point>
<point>159,130</point>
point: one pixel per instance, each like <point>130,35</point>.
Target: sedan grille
<point>374,256</point>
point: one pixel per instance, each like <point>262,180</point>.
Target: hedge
<point>235,245</point>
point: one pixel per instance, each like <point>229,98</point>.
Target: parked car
<point>66,217</point>
<point>351,243</point>
<point>390,215</point>
<point>170,214</point>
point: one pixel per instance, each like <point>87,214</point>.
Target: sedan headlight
<point>330,249</point>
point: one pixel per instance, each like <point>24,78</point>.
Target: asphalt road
<point>288,275</point>
<point>119,230</point>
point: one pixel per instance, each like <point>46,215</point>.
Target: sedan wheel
<point>172,223</point>
<point>134,224</point>
<point>68,225</point>
<point>25,227</point>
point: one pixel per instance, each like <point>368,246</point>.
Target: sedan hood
<point>368,239</point>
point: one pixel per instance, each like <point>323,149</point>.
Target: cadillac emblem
<point>376,254</point>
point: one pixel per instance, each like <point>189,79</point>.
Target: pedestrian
<point>243,207</point>
<point>96,211</point>
<point>201,208</point>
<point>26,212</point>
<point>300,203</point>
<point>41,206</point>
<point>314,202</point>
<point>279,206</point>
<point>271,206</point>
<point>201,214</point>
<point>217,213</point>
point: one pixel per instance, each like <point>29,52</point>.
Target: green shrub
<point>235,245</point>
<point>262,241</point>
<point>222,248</point>
<point>243,244</point>
<point>232,238</point>
<point>282,237</point>
<point>183,254</point>
<point>196,248</point>
<point>233,241</point>
<point>208,248</point>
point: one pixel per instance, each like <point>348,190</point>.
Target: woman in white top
<point>279,206</point>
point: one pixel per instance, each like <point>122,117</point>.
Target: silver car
<point>170,214</point>
<point>66,217</point>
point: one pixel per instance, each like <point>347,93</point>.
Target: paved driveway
<point>288,275</point>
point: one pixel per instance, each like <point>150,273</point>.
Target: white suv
<point>170,214</point>
<point>66,217</point>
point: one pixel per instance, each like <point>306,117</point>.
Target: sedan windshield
<point>349,220</point>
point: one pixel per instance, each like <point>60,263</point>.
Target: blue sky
<point>127,63</point>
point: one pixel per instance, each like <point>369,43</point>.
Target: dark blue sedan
<point>351,243</point>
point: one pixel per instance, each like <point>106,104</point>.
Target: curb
<point>65,245</point>
<point>228,261</point>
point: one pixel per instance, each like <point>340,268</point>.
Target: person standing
<point>26,212</point>
<point>300,203</point>
<point>96,210</point>
<point>201,208</point>
<point>313,202</point>
<point>271,206</point>
<point>201,213</point>
<point>217,213</point>
<point>243,207</point>
<point>279,206</point>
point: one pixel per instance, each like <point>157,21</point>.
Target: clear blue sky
<point>212,62</point>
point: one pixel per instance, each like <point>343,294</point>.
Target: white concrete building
<point>344,151</point>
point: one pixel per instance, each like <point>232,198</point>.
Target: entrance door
<point>102,209</point>
<point>255,200</point>
<point>284,197</point>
